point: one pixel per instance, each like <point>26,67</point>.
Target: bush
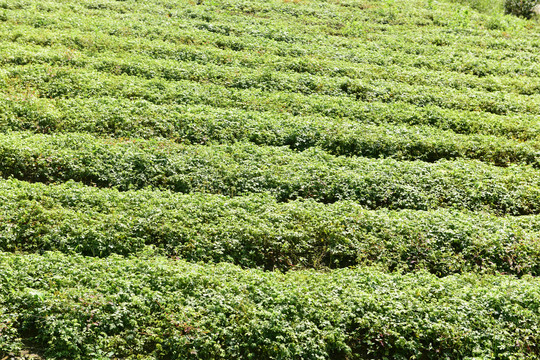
<point>522,8</point>
<point>256,231</point>
<point>149,307</point>
<point>241,168</point>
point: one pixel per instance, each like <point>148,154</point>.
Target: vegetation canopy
<point>282,179</point>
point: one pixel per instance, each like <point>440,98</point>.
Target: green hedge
<point>394,37</point>
<point>65,81</point>
<point>37,82</point>
<point>203,124</point>
<point>73,307</point>
<point>256,231</point>
<point>142,118</point>
<point>268,79</point>
<point>77,47</point>
<point>246,168</point>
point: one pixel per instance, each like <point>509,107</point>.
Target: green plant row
<point>24,87</point>
<point>230,28</point>
<point>32,45</point>
<point>256,231</point>
<point>244,168</point>
<point>203,124</point>
<point>239,77</point>
<point>149,307</point>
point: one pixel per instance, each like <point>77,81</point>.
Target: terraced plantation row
<point>307,179</point>
<point>257,92</point>
<point>257,231</point>
<point>202,125</point>
<point>245,168</point>
<point>117,307</point>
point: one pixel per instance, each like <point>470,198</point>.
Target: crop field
<point>269,179</point>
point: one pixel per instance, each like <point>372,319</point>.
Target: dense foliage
<point>245,168</point>
<point>285,179</point>
<point>257,231</point>
<point>522,8</point>
<point>118,308</point>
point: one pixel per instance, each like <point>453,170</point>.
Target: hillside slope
<point>284,179</point>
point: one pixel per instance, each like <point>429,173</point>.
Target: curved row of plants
<point>142,118</point>
<point>246,168</point>
<point>59,48</point>
<point>256,231</point>
<point>277,35</point>
<point>146,306</point>
<point>202,125</point>
<point>23,86</point>
<point>238,77</point>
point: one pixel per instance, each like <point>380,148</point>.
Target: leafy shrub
<point>10,341</point>
<point>522,8</point>
<point>257,231</point>
<point>85,308</point>
<point>242,168</point>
